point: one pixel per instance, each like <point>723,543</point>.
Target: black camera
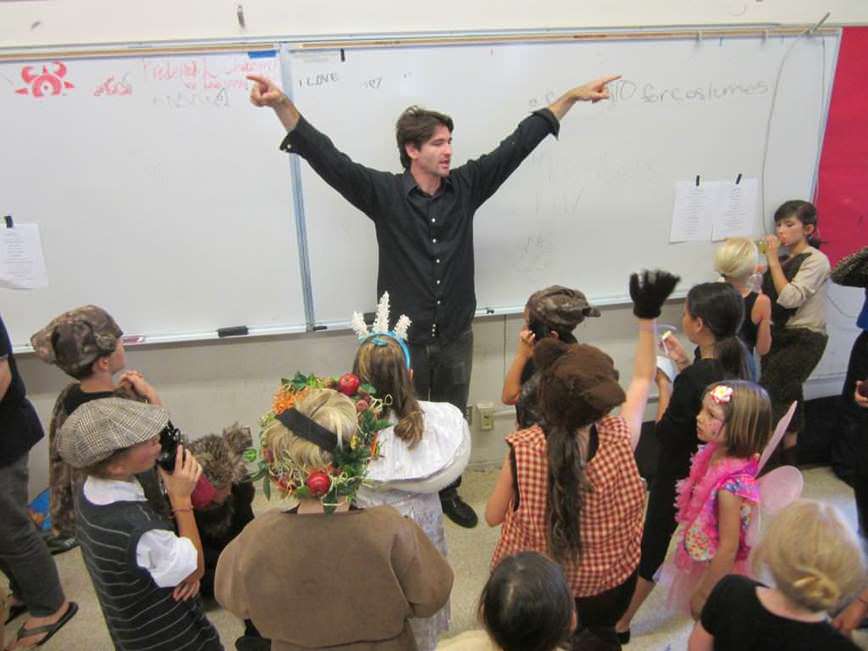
<point>170,437</point>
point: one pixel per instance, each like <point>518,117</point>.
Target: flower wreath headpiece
<point>380,327</point>
<point>343,477</point>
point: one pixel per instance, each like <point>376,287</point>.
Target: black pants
<point>659,525</point>
<point>854,427</point>
<point>597,615</point>
<point>441,373</point>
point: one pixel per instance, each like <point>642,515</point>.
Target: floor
<point>469,553</point>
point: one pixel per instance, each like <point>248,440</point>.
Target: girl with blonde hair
<point>736,261</point>
<point>326,574</point>
<point>815,562</point>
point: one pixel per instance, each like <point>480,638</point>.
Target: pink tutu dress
<point>697,537</point>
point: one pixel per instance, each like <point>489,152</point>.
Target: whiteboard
<point>159,191</point>
<point>594,205</point>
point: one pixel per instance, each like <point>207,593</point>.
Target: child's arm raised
<point>644,367</point>
<point>512,382</point>
<point>729,531</point>
<point>649,291</point>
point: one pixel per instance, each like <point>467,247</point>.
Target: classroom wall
<point>38,23</point>
<point>211,384</point>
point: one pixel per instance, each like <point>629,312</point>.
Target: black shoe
<point>252,643</point>
<point>459,511</point>
<point>623,636</point>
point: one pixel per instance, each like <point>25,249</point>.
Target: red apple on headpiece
<point>348,384</point>
<point>318,482</point>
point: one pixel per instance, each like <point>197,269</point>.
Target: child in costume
<point>572,490</point>
<point>551,312</point>
<point>814,560</point>
<point>145,576</point>
<point>736,261</point>
<point>712,316</point>
<point>796,284</point>
<point>86,344</point>
<point>720,495</point>
<point>424,449</point>
<point>526,605</point>
<point>223,503</point>
<point>327,574</point>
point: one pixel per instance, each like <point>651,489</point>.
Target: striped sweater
<point>140,615</point>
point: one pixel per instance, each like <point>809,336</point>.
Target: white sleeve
<point>168,558</point>
<point>439,480</point>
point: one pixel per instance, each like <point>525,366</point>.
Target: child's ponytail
<point>381,363</point>
<point>564,504</point>
<point>721,309</point>
<point>732,355</point>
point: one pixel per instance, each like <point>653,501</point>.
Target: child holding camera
<point>145,576</point>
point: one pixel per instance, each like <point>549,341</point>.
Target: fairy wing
<point>777,435</point>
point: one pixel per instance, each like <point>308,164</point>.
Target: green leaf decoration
<point>266,487</point>
<point>250,455</point>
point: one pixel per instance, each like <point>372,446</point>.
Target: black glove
<point>650,290</point>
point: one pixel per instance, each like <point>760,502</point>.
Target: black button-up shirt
<point>425,242</point>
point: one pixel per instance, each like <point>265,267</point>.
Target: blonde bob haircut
<point>326,407</point>
<point>813,555</point>
<point>736,258</point>
<point>747,417</point>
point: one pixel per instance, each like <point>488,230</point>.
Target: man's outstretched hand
<point>594,91</point>
<point>265,92</point>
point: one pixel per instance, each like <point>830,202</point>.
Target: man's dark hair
<point>416,126</point>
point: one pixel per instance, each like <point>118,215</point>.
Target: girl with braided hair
<point>571,488</point>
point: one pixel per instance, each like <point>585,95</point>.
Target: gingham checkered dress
<point>613,508</point>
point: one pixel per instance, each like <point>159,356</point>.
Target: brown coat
<point>346,581</point>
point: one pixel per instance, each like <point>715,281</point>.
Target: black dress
<point>735,617</point>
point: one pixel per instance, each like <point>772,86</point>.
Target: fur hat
<point>560,308</point>
<point>578,383</point>
<point>221,457</point>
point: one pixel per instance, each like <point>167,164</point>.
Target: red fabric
<point>842,192</point>
<point>613,508</point>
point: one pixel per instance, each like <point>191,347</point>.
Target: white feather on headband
<point>402,326</point>
<point>359,326</point>
<point>381,322</point>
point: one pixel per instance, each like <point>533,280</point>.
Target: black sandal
<point>15,611</point>
<point>50,629</point>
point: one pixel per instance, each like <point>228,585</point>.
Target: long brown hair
<point>578,386</point>
<point>380,362</point>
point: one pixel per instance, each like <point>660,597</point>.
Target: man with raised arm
<point>424,223</point>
